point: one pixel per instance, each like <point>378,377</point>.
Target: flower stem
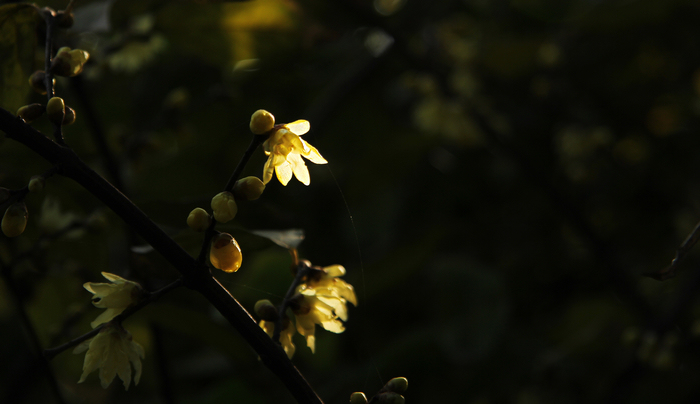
<point>302,271</point>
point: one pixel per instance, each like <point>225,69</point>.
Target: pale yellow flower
<point>111,350</point>
<point>285,149</point>
<point>324,302</point>
<point>285,335</point>
<point>115,296</point>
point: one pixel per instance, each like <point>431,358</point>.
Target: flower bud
<point>225,254</point>
<point>69,118</point>
<point>37,81</point>
<point>358,397</point>
<point>261,122</point>
<point>15,219</point>
<point>397,385</point>
<point>390,398</point>
<point>30,112</point>
<point>36,184</point>
<point>64,19</point>
<point>199,219</point>
<point>69,62</point>
<point>266,310</point>
<point>56,110</point>
<point>248,189</point>
<point>224,207</point>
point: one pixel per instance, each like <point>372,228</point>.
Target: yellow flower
<point>285,335</point>
<point>115,296</point>
<point>111,350</point>
<point>324,302</point>
<point>285,149</point>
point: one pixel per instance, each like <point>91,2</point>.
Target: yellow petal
<point>312,154</point>
<point>299,168</point>
<point>284,172</point>
<point>299,127</point>
<point>268,170</point>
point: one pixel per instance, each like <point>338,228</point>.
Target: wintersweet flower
<point>323,301</point>
<point>285,149</point>
<point>111,350</point>
<point>285,335</point>
<point>115,296</point>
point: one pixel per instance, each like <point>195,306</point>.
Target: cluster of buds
<point>225,253</point>
<point>389,394</point>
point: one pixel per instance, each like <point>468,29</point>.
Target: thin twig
<point>670,271</point>
<point>302,271</point>
<point>50,18</point>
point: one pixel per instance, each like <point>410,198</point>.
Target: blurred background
<point>502,174</point>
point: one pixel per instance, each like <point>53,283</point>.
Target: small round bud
<point>266,310</point>
<point>36,184</point>
<point>248,189</point>
<point>69,117</point>
<point>78,59</point>
<point>390,398</point>
<point>397,385</point>
<point>224,207</point>
<point>199,219</point>
<point>30,112</point>
<point>358,397</point>
<point>56,110</point>
<point>4,194</point>
<point>37,81</point>
<point>15,219</point>
<point>64,19</point>
<point>261,122</point>
<point>225,254</point>
<point>61,63</point>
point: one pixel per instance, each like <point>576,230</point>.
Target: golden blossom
<point>111,350</point>
<point>285,149</point>
<point>115,296</point>
<point>285,335</point>
<point>324,302</point>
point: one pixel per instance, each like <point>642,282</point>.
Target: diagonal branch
<point>196,275</point>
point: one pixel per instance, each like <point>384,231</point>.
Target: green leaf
<point>17,46</point>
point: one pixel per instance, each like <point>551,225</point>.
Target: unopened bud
<point>38,81</point>
<point>225,254</point>
<point>36,184</point>
<point>64,19</point>
<point>69,62</point>
<point>224,207</point>
<point>55,109</point>
<point>358,397</point>
<point>248,189</point>
<point>266,310</point>
<point>69,117</point>
<point>198,220</point>
<point>390,398</point>
<point>30,112</point>
<point>397,385</point>
<point>15,219</point>
<point>261,122</point>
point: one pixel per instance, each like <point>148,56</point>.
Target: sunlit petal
<point>299,127</point>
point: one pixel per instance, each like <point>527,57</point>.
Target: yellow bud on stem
<point>55,109</point>
<point>261,122</point>
<point>224,207</point>
<point>69,117</point>
<point>15,219</point>
<point>248,188</point>
<point>36,184</point>
<point>30,112</point>
<point>266,310</point>
<point>225,254</point>
<point>358,397</point>
<point>198,219</point>
<point>397,385</point>
<point>37,81</point>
